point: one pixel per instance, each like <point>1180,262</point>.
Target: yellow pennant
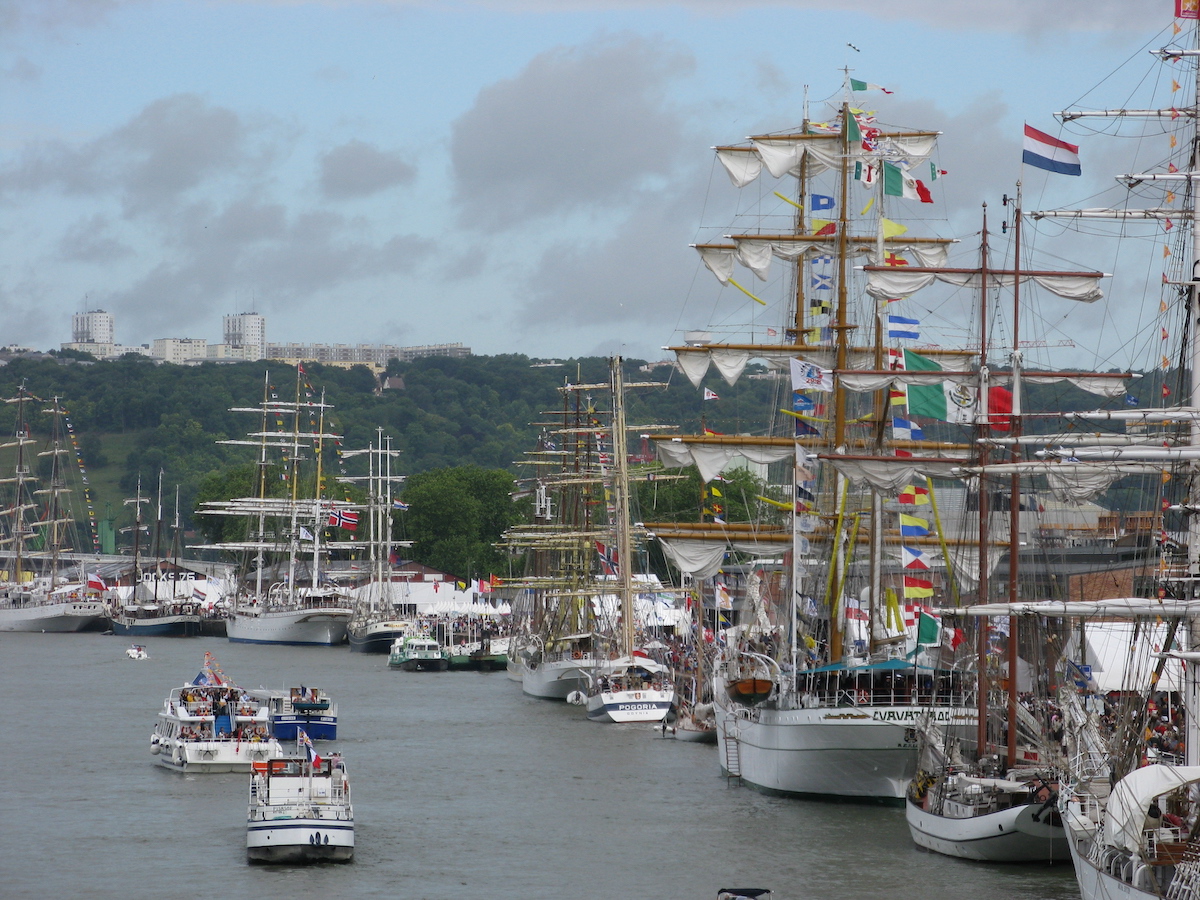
<point>892,229</point>
<point>791,201</point>
<point>866,209</point>
<point>747,293</point>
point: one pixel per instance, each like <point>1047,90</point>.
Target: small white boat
<point>212,725</point>
<point>300,810</point>
<point>989,819</point>
<point>137,651</point>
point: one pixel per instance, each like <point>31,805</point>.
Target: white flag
<point>710,395</point>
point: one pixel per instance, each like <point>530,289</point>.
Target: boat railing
<point>865,696</point>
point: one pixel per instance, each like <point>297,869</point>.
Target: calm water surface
<point>463,788</point>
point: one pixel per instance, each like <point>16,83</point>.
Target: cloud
<point>90,240</point>
<point>22,70</point>
<point>356,169</point>
<point>587,125</point>
<point>151,161</point>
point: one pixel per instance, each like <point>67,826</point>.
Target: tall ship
<point>377,623</point>
<point>1129,802</point>
<point>42,588</point>
<point>820,687</point>
<point>287,595</point>
<point>578,615</point>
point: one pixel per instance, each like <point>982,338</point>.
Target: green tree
<point>456,515</point>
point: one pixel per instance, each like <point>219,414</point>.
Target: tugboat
<point>418,654</point>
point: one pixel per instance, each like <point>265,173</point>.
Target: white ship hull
<point>555,680</point>
<point>58,618</point>
<point>325,626</point>
<point>319,838</point>
<point>1006,835</point>
<point>1096,883</point>
<point>624,707</point>
<point>214,757</point>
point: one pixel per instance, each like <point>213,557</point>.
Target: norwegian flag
<point>608,559</point>
<point>343,518</point>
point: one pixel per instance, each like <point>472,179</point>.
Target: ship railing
<point>849,696</point>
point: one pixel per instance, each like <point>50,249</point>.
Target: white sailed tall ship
<point>819,692</point>
<point>39,591</point>
<point>288,597</point>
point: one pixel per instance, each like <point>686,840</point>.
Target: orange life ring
<point>576,655</point>
<point>862,696</point>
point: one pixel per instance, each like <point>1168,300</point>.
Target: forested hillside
<point>132,417</point>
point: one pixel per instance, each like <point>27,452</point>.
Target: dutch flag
<point>1049,153</point>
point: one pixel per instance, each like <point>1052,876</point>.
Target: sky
<point>516,176</point>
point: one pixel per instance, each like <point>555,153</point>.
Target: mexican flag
<point>949,401</point>
<point>856,85</point>
<point>929,630</point>
<point>899,183</point>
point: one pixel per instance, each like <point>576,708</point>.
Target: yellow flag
<point>892,229</point>
<point>715,492</point>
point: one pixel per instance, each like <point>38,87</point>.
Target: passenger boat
<point>137,651</point>
<point>300,810</point>
<point>210,725</point>
<point>418,653</point>
<point>301,708</point>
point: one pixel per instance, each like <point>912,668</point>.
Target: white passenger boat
<point>212,725</point>
<point>300,810</point>
<point>137,651</point>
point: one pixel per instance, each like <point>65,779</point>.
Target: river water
<point>463,788</point>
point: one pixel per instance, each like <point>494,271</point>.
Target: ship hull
<point>863,753</point>
<point>622,707</point>
<point>56,618</point>
<point>321,627</point>
<point>160,626</point>
<point>300,840</point>
<point>1006,835</point>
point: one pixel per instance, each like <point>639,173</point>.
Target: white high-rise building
<point>247,332</point>
<point>92,327</point>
